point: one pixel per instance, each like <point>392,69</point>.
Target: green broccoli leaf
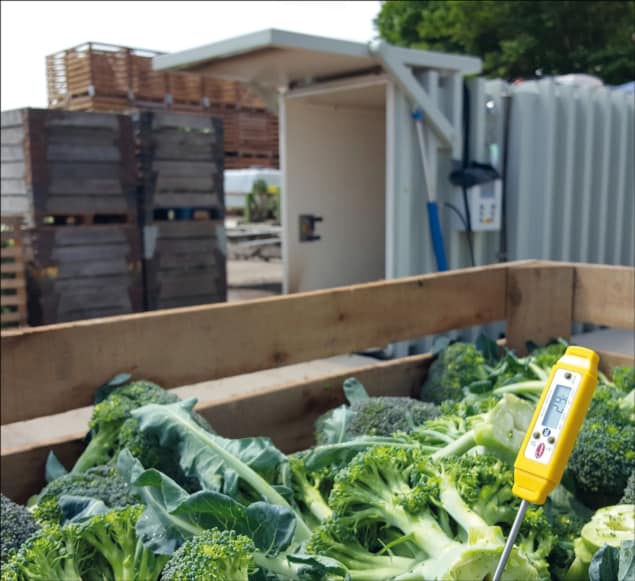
<point>613,563</point>
<point>54,468</point>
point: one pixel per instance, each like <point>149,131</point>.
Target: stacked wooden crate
<point>13,302</point>
<point>102,77</point>
<point>181,208</point>
<point>72,177</point>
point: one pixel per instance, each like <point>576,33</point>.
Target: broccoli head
<point>214,555</point>
<point>110,415</point>
<point>456,367</point>
<point>111,537</point>
<point>624,378</point>
<point>47,555</point>
<point>383,416</point>
<point>603,457</point>
<point>101,482</point>
<point>18,525</point>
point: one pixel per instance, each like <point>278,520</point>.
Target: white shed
<point>349,150</point>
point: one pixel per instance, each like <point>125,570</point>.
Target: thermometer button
<point>546,432</point>
<point>540,450</point>
<point>551,440</point>
<point>536,435</point>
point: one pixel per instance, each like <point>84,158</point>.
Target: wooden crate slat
<point>12,317</point>
<point>12,283</point>
<point>11,252</point>
<point>539,304</point>
<point>604,295</point>
<point>11,300</point>
<point>282,331</point>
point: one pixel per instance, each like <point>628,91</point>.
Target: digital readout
<point>556,406</point>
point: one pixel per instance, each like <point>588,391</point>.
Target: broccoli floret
<point>603,457</point>
<point>113,538</point>
<point>624,378</point>
<point>384,416</point>
<point>610,525</point>
<point>500,430</point>
<point>405,490</point>
<point>109,416</point>
<point>101,482</point>
<point>214,555</point>
<point>336,540</point>
<point>456,367</point>
<point>311,489</point>
<point>18,525</point>
<point>48,555</point>
<point>547,356</point>
<point>629,491</point>
<point>537,540</point>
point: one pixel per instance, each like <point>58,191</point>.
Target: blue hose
<point>437,237</point>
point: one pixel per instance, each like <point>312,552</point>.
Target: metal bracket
<point>307,227</point>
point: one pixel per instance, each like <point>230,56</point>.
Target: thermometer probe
<point>552,432</point>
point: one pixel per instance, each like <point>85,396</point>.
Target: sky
<point>31,30</point>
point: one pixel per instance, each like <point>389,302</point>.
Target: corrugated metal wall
<point>570,180</point>
<point>570,187</point>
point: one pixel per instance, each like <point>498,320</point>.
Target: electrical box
<point>485,203</point>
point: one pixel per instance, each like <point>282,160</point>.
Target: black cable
<point>457,212</point>
<point>466,154</point>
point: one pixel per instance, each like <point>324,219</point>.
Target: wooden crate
<point>63,163</point>
<point>82,272</point>
<point>537,300</point>
<point>125,74</point>
<point>13,301</point>
<point>181,169</point>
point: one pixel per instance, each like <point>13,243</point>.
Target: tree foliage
<point>521,39</point>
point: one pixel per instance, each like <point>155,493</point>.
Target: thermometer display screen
<point>556,406</point>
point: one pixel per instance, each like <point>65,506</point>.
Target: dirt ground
<point>252,279</point>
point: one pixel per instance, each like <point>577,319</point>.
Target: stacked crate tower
<point>103,77</point>
<point>71,177</point>
<point>181,208</point>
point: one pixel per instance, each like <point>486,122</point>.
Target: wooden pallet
<point>13,298</point>
<point>181,165</point>
<point>538,300</point>
<point>67,163</point>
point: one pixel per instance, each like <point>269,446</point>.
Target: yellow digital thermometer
<point>552,432</point>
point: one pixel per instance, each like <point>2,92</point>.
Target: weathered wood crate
<point>51,370</point>
<point>62,163</point>
<point>81,272</point>
<point>13,300</point>
<point>181,172</point>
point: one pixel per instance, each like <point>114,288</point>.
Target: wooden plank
<point>84,170</point>
<point>184,261</point>
<point>11,153</point>
<point>161,119</point>
<point>87,186</point>
<point>22,473</point>
<point>13,187</point>
<point>11,118</point>
<point>14,169</point>
<point>604,295</point>
<point>539,304</point>
<point>185,168</point>
<point>13,317</point>
<point>185,183</point>
<point>97,204</point>
<point>10,300</point>
<point>12,267</point>
<point>12,283</point>
<point>17,205</point>
<point>189,229</point>
<point>58,118</point>
<point>90,235</point>
<point>93,268</point>
<point>174,284</point>
<point>11,252</point>
<point>187,246</point>
<point>75,152</point>
<point>285,413</point>
<point>12,135</point>
<point>95,252</point>
<point>282,330</point>
<point>186,200</point>
<point>610,360</point>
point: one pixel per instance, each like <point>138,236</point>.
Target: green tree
<point>521,39</point>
